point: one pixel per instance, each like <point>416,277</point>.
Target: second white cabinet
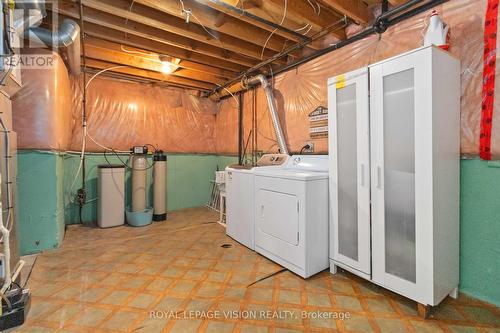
<point>394,173</point>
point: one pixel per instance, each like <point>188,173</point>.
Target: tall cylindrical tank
<point>139,171</point>
<point>160,186</point>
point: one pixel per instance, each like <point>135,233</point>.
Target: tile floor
<point>176,277</point>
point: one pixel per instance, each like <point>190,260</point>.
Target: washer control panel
<point>272,159</point>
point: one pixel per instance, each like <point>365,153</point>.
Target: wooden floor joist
<point>213,71</point>
<point>159,35</point>
<point>151,75</point>
<point>147,17</point>
<point>93,51</point>
<point>117,36</point>
<point>208,17</point>
<point>357,10</point>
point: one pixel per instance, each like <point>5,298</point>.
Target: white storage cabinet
<point>394,147</point>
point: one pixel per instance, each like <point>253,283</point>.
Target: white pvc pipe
<point>6,246</point>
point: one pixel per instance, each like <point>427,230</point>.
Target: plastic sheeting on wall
<point>41,110</point>
<point>123,114</point>
<point>299,91</point>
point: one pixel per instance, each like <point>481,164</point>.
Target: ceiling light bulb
<point>166,67</point>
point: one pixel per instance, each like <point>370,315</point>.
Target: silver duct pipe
<point>67,36</point>
<point>272,108</point>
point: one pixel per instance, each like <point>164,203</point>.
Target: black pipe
<point>81,194</point>
<point>240,129</point>
<point>363,34</point>
<point>242,12</point>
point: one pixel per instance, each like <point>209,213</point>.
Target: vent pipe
<point>67,36</point>
<point>253,81</point>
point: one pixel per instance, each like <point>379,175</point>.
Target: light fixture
<point>168,64</point>
<point>166,67</point>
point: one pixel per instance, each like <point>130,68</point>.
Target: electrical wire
<point>272,32</point>
<point>304,27</point>
<point>188,12</point>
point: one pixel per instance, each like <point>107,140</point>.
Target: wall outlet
<point>311,145</point>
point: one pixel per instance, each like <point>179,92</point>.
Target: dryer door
<point>278,216</point>
<point>279,221</point>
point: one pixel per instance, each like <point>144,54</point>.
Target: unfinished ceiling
<point>203,44</point>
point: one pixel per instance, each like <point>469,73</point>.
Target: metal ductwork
<point>67,36</point>
<point>29,16</point>
<point>253,81</point>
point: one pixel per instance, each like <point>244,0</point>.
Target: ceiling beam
<point>122,37</point>
<point>150,75</point>
<point>213,71</point>
<point>301,12</point>
<point>146,16</point>
<point>159,35</point>
<point>357,10</point>
<point>150,63</point>
<point>233,9</point>
<point>212,19</point>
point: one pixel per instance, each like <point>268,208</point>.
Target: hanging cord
<point>272,32</point>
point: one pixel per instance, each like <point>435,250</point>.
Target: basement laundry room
<point>239,166</point>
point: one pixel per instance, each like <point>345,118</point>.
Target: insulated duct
<point>253,81</point>
<point>67,36</point>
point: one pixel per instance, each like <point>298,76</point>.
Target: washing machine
<point>240,224</point>
<point>291,214</point>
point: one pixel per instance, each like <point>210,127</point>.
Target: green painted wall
<point>44,206</point>
<point>480,230</point>
<point>188,181</point>
<point>40,205</point>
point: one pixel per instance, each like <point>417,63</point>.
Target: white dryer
<point>240,223</point>
<point>291,214</point>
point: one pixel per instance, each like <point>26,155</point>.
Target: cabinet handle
<point>379,178</point>
<point>261,211</point>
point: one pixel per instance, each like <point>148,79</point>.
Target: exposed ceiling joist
<point>213,71</point>
<point>151,75</point>
<point>355,9</point>
<point>173,24</point>
<point>115,18</point>
<point>93,51</point>
<point>211,19</point>
<point>233,8</point>
<point>100,31</point>
<point>310,16</point>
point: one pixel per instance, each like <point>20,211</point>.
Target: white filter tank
<point>139,173</point>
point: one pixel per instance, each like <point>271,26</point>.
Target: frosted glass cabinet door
<point>348,123</point>
<point>399,110</point>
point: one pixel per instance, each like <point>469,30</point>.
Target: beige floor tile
<point>391,325</point>
<point>380,305</point>
<point>121,321</point>
<point>94,280</point>
<point>358,324</point>
<point>186,326</point>
<point>92,316</point>
<point>315,299</point>
<point>426,326</point>
<point>142,301</point>
<point>219,327</point>
<point>289,296</point>
<point>348,303</point>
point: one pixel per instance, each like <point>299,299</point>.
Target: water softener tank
<point>139,170</point>
<point>160,186</point>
